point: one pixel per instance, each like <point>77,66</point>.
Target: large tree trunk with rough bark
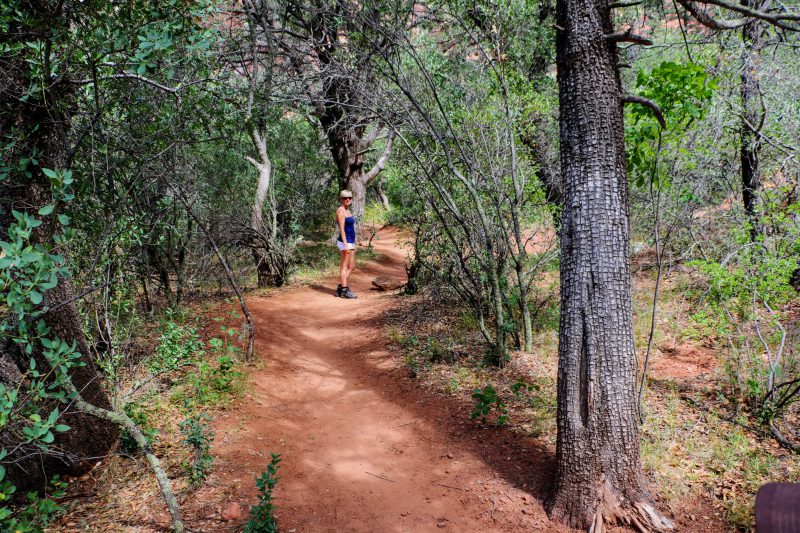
<point>40,124</point>
<point>752,117</point>
<point>599,472</point>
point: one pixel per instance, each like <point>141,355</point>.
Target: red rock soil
<point>363,446</point>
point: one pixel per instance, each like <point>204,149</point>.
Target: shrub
<point>197,437</point>
<point>486,401</point>
<point>136,413</point>
<point>262,519</point>
<point>177,345</point>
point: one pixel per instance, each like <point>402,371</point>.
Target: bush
<point>177,345</point>
<point>136,413</point>
<point>262,519</point>
<point>197,437</point>
<point>486,401</point>
<point>37,513</point>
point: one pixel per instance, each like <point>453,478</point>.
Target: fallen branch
<point>124,421</point>
<point>450,486</point>
<point>783,441</point>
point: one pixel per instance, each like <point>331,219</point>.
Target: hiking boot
<point>339,290</point>
<point>347,293</point>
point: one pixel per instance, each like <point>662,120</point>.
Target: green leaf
<point>36,297</point>
<point>46,210</point>
<point>52,174</point>
<point>63,219</point>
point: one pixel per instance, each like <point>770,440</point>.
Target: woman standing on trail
<point>346,243</point>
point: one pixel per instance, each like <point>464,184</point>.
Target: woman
<point>346,243</point>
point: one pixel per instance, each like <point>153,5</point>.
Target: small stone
<point>443,523</point>
<point>232,511</point>
<point>524,511</point>
<point>449,455</point>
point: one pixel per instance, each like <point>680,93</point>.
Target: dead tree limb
<point>125,422</point>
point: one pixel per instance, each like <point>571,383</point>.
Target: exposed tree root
<point>641,516</point>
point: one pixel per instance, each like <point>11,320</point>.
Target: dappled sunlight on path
<point>364,447</point>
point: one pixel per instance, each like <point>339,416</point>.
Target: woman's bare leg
<point>352,263</point>
<point>344,268</point>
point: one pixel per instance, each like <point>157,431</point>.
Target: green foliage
<point>487,401</point>
<point>177,346</point>
<point>747,290</point>
<point>214,383</point>
<point>261,518</point>
<point>138,414</point>
<point>197,437</point>
<point>36,514</point>
<point>683,92</point>
<point>29,409</point>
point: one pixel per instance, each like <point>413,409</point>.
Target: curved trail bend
<point>364,447</point>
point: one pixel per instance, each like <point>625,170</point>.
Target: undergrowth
<point>262,515</point>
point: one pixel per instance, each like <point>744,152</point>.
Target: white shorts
<point>346,245</point>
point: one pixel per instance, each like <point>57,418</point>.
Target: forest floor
<point>372,441</point>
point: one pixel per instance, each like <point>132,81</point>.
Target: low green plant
<point>137,413</point>
<point>197,437</point>
<point>37,513</point>
<point>215,383</point>
<point>177,345</point>
<point>486,401</point>
<point>261,518</point>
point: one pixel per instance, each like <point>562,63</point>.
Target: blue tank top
<point>349,229</point>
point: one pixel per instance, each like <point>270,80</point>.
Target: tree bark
<point>599,472</point>
<point>264,167</point>
<point>40,122</point>
<point>752,118</point>
<point>382,195</point>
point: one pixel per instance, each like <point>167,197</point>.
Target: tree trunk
<point>538,146</point>
<point>40,122</point>
<point>262,241</point>
<point>382,196</point>
<point>752,118</point>
<point>599,472</point>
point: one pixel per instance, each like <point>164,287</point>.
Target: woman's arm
<point>340,220</point>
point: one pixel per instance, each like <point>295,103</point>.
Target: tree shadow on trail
<point>524,462</point>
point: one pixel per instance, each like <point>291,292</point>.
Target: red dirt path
<point>364,448</point>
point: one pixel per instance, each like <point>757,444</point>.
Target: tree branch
<point>379,166</point>
<point>627,36</point>
<point>132,76</point>
<point>631,99</point>
<point>704,18</point>
<point>616,5</point>
<point>124,421</point>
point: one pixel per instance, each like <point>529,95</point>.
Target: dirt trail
<point>364,447</point>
